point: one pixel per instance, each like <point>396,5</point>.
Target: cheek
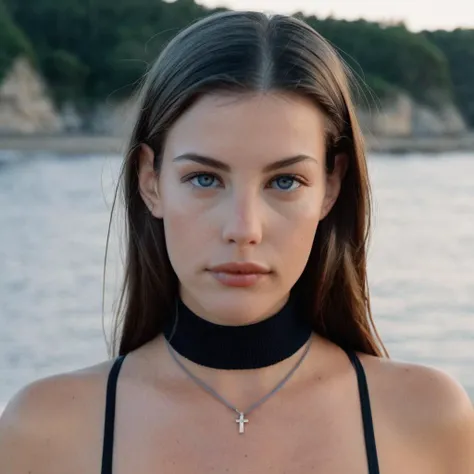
<point>299,232</point>
<point>185,228</point>
<point>299,219</point>
<point>294,233</point>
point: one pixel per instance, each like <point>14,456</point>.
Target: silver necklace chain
<point>242,414</point>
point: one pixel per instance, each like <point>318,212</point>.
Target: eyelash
<point>298,179</point>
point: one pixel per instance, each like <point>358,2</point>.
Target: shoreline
<point>431,145</point>
<point>95,144</point>
<point>63,144</point>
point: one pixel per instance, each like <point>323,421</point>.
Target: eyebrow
<point>214,163</point>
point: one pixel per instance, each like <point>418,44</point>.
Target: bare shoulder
<point>44,421</point>
<point>423,389</point>
<point>427,406</point>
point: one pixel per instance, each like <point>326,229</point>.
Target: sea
<point>54,216</point>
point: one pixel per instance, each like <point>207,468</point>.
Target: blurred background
<point>68,71</point>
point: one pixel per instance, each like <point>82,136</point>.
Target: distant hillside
<point>92,50</point>
<point>390,59</point>
<point>458,47</point>
<point>13,42</point>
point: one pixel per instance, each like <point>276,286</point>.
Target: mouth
<point>241,268</point>
<point>239,274</point>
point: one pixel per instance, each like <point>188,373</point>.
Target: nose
<point>243,223</point>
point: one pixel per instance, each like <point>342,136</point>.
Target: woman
<point>246,344</point>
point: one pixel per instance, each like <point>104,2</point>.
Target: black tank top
<point>369,435</point>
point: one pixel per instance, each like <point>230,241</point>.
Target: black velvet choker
<point>249,346</point>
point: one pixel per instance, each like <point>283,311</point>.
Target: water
<point>53,225</point>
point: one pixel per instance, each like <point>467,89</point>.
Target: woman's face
<point>242,181</point>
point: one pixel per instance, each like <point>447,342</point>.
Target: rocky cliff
<point>402,117</point>
<point>25,106</point>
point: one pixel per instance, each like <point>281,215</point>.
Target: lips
<point>242,268</point>
<point>239,274</point>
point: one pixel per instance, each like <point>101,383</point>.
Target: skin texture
<point>423,419</point>
<point>247,213</point>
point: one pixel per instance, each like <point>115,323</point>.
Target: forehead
<point>263,126</point>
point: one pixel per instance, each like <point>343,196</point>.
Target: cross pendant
<point>242,420</point>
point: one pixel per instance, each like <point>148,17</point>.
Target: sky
<point>417,14</point>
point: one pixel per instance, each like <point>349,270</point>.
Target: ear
<point>148,180</point>
<point>333,183</point>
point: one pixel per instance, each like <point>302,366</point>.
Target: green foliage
<point>375,87</point>
<point>458,47</point>
<point>66,72</point>
<point>392,54</point>
<point>92,49</point>
<point>13,43</point>
<point>108,43</point>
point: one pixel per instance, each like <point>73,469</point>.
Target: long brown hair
<point>242,52</point>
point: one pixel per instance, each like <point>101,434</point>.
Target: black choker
<point>237,347</point>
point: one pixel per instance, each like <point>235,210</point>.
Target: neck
<point>243,362</point>
<point>251,346</point>
<point>242,387</point>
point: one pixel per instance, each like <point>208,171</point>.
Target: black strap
<point>369,435</point>
<point>109,424</point>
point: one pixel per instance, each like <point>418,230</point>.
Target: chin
<point>236,306</point>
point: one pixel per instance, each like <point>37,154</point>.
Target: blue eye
<point>209,181</point>
<point>286,183</point>
<point>203,180</point>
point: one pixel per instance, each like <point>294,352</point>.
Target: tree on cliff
<point>94,48</point>
<point>13,42</point>
<point>458,46</point>
<point>390,58</point>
